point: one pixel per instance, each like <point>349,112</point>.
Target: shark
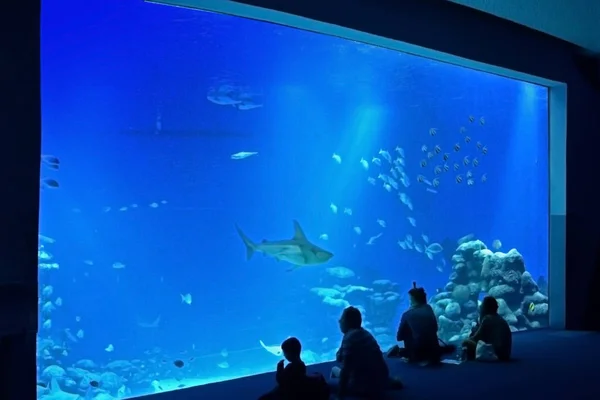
<point>298,251</point>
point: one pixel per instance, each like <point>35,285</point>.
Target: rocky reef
<point>477,270</point>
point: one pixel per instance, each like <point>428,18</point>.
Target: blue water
<point>147,182</point>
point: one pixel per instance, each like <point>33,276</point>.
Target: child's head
<point>489,306</point>
<point>291,348</point>
<point>417,295</point>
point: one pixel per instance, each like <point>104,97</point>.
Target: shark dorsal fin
<point>299,233</point>
<point>54,386</point>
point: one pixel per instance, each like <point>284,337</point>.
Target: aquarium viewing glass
<point>212,185</point>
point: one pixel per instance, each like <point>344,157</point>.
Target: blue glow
<point>149,194</point>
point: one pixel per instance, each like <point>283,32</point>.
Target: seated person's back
<point>293,377</point>
<point>418,329</point>
<point>494,329</point>
<point>363,363</point>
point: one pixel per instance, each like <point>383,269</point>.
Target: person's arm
<point>434,319</point>
<point>481,333</point>
<point>338,355</point>
<point>279,376</point>
<point>402,328</point>
<point>347,355</point>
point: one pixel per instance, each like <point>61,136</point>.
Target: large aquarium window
<point>212,185</point>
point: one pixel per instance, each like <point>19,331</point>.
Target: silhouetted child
<point>291,378</point>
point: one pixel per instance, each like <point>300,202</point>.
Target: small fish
<point>418,248</point>
<point>400,151</point>
<point>424,149</point>
<point>435,182</point>
<point>324,236</point>
<point>471,118</point>
<point>364,163</point>
<point>372,239</point>
<point>446,168</point>
<point>243,154</point>
<point>48,183</point>
<point>357,230</point>
<point>459,178</point>
<point>110,348</point>
<point>497,244</point>
<point>51,162</point>
<point>376,161</point>
<point>371,180</point>
<point>381,223</point>
<point>386,155</point>
<point>467,139</point>
<point>437,170</point>
<point>333,208</point>
<point>412,221</point>
<point>466,160</point>
<point>178,363</point>
<point>479,145</point>
<point>437,149</point>
<point>469,174</point>
<point>457,147</point>
<point>475,162</point>
<point>456,166</point>
<point>446,156</point>
<point>420,178</point>
<point>482,121</point>
<point>432,131</point>
<point>462,129</point>
<point>387,187</point>
<point>470,182</point>
<point>348,211</point>
<point>402,244</point>
<point>336,158</point>
<point>423,163</point>
<point>484,178</point>
<point>186,298</point>
<point>118,265</point>
<point>484,150</point>
<point>429,155</point>
<point>425,238</point>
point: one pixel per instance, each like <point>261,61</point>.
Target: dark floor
<point>548,364</point>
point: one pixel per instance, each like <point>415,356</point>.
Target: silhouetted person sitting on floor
<point>492,330</point>
<point>418,330</point>
<point>363,371</point>
<point>292,381</point>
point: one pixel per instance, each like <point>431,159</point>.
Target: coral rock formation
<point>477,270</point>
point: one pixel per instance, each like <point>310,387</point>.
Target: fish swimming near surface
<point>298,250</point>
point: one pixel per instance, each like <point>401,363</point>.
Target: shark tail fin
<point>250,247</point>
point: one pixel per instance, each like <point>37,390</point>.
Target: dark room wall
<point>20,129</point>
<point>468,33</point>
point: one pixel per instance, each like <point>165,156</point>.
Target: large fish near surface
<point>298,250</point>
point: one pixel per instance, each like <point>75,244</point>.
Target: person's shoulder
<point>354,336</point>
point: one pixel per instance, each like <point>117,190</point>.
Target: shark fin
<point>299,233</point>
<point>250,247</point>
